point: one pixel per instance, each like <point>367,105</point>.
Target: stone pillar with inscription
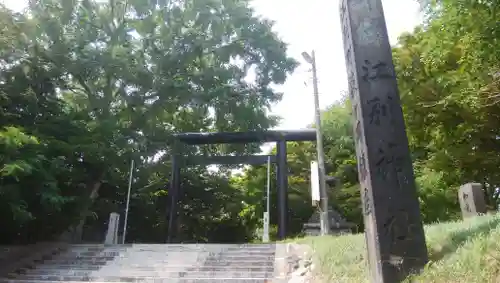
<point>472,202</point>
<point>393,227</point>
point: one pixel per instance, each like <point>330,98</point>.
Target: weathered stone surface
<point>393,227</point>
<point>471,198</point>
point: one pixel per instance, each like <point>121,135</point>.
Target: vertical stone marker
<point>393,227</point>
<point>472,202</point>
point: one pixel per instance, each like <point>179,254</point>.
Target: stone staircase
<point>198,263</point>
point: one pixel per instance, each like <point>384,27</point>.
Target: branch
<point>75,89</point>
<point>430,105</point>
<point>83,84</point>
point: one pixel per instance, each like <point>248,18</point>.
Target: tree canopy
<point>87,86</point>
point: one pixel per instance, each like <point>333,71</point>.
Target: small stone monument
<point>471,197</point>
<point>112,233</point>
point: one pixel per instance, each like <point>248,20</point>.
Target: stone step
<point>191,244</point>
<point>160,254</point>
<point>169,280</point>
<point>56,267</point>
<point>135,262</point>
<point>172,246</point>
<point>152,267</point>
<point>113,252</point>
<point>116,252</point>
<point>149,254</point>
<point>73,262</point>
<point>172,261</point>
<point>156,263</point>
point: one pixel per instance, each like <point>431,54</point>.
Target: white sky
<point>315,25</point>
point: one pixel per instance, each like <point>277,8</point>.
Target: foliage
<point>87,86</point>
<point>99,83</point>
<point>468,250</point>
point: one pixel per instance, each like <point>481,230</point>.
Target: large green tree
<point>125,76</point>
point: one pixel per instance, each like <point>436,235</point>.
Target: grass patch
<point>463,251</point>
